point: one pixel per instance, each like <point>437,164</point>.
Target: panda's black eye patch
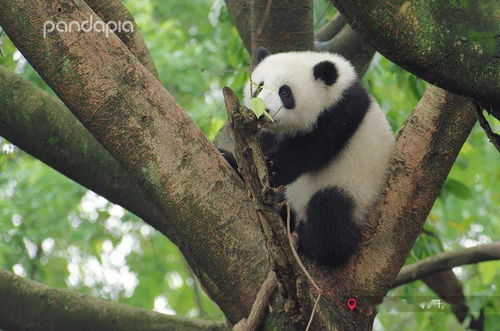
<point>285,91</point>
<point>286,96</point>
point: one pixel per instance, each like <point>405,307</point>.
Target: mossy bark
<point>452,44</point>
<point>115,11</point>
<point>28,305</point>
<point>42,126</point>
<point>140,124</point>
<point>125,107</point>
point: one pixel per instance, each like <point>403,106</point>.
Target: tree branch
<point>42,126</point>
<point>55,135</point>
<point>330,29</point>
<point>446,261</point>
<point>454,46</point>
<point>140,124</point>
<point>28,305</point>
<point>272,27</point>
<point>492,136</point>
<point>350,45</point>
<point>260,305</point>
<point>448,287</point>
<point>253,168</point>
<point>239,11</point>
<point>115,11</point>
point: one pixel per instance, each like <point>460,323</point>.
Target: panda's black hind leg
<point>329,235</point>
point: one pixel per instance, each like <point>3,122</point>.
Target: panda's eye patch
<point>286,96</point>
<point>285,91</point>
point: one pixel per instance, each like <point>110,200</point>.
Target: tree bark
<point>454,45</point>
<point>331,28</point>
<point>42,126</point>
<point>55,135</point>
<point>124,106</point>
<point>28,305</point>
<point>240,10</point>
<point>142,126</point>
<point>282,26</point>
<point>115,11</point>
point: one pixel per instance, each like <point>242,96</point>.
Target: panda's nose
<point>267,110</point>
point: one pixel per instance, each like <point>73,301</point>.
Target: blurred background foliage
<point>56,232</point>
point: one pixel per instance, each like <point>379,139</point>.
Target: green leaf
<point>268,116</point>
<point>458,189</point>
<point>487,271</point>
<point>258,106</point>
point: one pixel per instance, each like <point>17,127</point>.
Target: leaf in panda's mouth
<point>259,108</point>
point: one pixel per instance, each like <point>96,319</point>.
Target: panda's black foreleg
<point>229,158</point>
<point>329,235</point>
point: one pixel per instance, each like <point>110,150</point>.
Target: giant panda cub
<point>329,145</point>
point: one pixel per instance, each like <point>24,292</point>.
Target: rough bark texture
<point>453,44</point>
<point>240,10</point>
<point>115,11</point>
<point>142,126</point>
<point>42,126</point>
<point>282,26</point>
<point>124,106</point>
<point>28,305</point>
<point>446,261</point>
<point>252,166</point>
<point>59,140</point>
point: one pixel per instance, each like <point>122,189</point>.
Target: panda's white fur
<point>352,170</point>
<point>294,69</point>
<point>360,168</point>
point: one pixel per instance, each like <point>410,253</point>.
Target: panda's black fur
<point>328,229</point>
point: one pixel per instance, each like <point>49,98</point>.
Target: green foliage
<point>54,231</point>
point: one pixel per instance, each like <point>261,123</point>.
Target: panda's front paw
<point>274,173</point>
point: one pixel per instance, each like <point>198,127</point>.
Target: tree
<point>184,187</point>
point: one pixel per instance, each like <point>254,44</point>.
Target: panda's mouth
<point>270,120</point>
<point>273,115</point>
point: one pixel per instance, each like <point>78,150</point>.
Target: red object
<point>351,303</point>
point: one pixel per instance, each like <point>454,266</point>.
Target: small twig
<point>316,302</point>
<point>259,305</point>
<point>295,254</point>
<point>299,261</point>
<point>492,136</point>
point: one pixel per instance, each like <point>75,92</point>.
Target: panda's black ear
<point>261,54</point>
<point>326,71</point>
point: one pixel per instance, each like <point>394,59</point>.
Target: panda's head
<point>297,86</point>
